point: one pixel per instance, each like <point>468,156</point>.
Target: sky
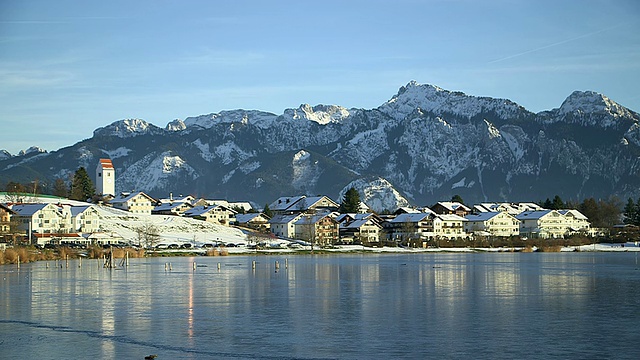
<point>68,67</point>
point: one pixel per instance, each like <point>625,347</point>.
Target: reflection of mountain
<point>422,145</point>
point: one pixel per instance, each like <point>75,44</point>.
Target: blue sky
<point>69,67</point>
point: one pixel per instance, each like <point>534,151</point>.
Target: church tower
<point>105,178</point>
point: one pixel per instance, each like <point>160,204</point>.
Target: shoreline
<point>11,256</point>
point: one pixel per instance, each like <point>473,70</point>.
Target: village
<point>316,221</point>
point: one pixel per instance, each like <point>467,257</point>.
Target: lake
<point>434,305</point>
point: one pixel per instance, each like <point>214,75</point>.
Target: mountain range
<point>423,145</point>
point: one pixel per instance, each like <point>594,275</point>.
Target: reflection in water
<point>347,306</point>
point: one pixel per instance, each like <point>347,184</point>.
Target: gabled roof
<point>245,218</point>
<point>284,202</point>
<point>453,206</point>
<point>284,219</point>
<point>575,213</point>
<point>484,216</point>
<point>312,219</point>
<point>77,210</point>
<point>356,224</point>
<point>29,209</point>
<point>451,217</point>
<point>410,218</point>
<point>171,206</point>
<point>533,215</point>
<point>201,210</point>
<point>124,197</point>
<point>106,163</point>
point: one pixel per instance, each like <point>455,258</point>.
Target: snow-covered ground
<point>172,229</point>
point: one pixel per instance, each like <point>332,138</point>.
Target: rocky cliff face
<point>423,145</point>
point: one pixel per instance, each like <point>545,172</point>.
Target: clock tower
<point>105,178</point>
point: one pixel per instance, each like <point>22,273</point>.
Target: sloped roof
<point>312,219</point>
<point>245,218</point>
<point>451,217</point>
<point>575,213</point>
<point>106,163</point>
<point>170,206</point>
<point>77,210</point>
<point>483,216</point>
<point>124,197</point>
<point>453,206</point>
<point>410,217</point>
<point>284,219</point>
<point>29,209</point>
<point>284,202</point>
<point>532,215</point>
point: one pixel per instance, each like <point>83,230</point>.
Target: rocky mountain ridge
<point>423,145</point>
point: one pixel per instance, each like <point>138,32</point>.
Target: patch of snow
<point>249,167</point>
<point>230,152</point>
<point>176,125</point>
<point>117,153</point>
<point>305,172</point>
<point>459,184</point>
<point>205,153</point>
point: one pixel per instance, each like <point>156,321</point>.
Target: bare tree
<point>148,235</point>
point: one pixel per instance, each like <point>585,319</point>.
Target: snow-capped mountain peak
<point>580,102</point>
<point>321,114</point>
<point>253,117</point>
<point>127,128</point>
<point>433,99</point>
<point>176,125</point>
<point>32,150</point>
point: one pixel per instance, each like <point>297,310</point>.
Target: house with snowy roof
<point>318,229</point>
<point>137,202</point>
<point>576,221</point>
<point>84,219</point>
<point>258,221</point>
<point>217,214</point>
<point>284,225</point>
<point>449,207</point>
<point>303,204</point>
<point>425,226</point>
<point>360,228</point>
<point>511,208</point>
<point>494,223</point>
<point>543,224</point>
<point>172,208</point>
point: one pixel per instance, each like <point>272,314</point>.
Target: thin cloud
<point>555,44</point>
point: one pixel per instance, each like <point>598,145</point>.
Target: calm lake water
<point>452,306</point>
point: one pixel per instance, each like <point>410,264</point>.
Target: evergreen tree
<point>637,217</point>
<point>457,198</point>
<point>630,212</point>
<point>547,204</point>
<point>82,187</point>
<point>267,211</point>
<point>557,203</point>
<point>350,201</point>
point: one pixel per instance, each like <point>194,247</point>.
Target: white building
<point>105,178</point>
<point>496,223</point>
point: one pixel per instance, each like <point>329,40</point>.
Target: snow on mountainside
<point>154,171</point>
<point>321,114</point>
<point>378,194</point>
<point>439,101</point>
<point>127,128</point>
<point>253,117</point>
<point>588,108</point>
<point>422,145</point>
